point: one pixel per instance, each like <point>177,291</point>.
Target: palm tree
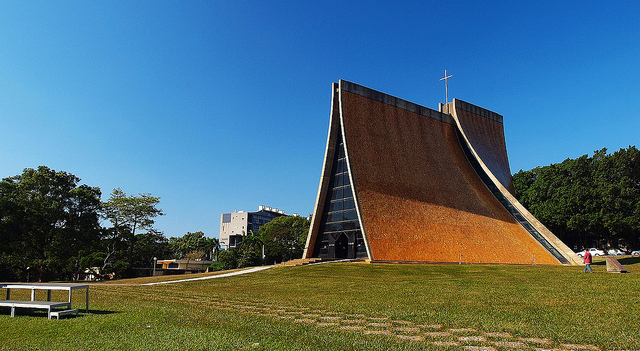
<point>214,247</point>
<point>251,241</point>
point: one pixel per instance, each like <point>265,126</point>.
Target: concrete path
<point>246,271</point>
<point>432,336</point>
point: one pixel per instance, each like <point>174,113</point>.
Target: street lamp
<point>155,263</point>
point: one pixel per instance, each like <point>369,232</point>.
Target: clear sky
<point>221,105</point>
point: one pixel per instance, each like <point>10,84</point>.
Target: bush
<point>249,258</point>
<point>216,266</point>
<point>120,269</point>
<point>228,258</point>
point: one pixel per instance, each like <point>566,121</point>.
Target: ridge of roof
<point>483,112</point>
<point>394,101</point>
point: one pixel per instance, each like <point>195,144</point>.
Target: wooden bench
<point>43,305</point>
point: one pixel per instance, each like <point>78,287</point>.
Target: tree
<point>617,182</point>
<point>228,258</point>
<point>250,251</point>
<point>284,238</point>
<point>129,214</point>
<point>149,245</point>
<point>588,201</point>
<point>46,220</point>
<point>195,245</point>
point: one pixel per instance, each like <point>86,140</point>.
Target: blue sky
<point>222,105</point>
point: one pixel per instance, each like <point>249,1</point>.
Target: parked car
<point>635,253</point>
<point>593,251</point>
<point>616,252</point>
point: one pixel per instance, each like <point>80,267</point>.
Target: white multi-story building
<point>235,225</point>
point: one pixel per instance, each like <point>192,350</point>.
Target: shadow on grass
<point>98,312</point>
<point>41,313</point>
<point>629,260</point>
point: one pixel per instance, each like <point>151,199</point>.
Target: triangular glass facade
<point>339,235</point>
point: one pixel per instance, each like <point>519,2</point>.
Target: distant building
<point>235,225</point>
<point>192,266</point>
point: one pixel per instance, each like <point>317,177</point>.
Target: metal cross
<point>446,87</point>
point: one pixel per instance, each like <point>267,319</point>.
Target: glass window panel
<point>350,215</point>
<point>335,206</point>
<point>339,212</point>
<point>347,191</point>
<point>349,225</point>
<point>349,204</point>
<point>334,217</point>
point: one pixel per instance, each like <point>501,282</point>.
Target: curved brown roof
<point>418,197</point>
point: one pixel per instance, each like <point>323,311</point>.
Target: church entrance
<point>342,247</point>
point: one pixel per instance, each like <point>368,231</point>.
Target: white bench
<point>48,305</point>
<point>43,305</point>
<point>60,313</point>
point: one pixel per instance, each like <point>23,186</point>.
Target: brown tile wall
<point>419,198</point>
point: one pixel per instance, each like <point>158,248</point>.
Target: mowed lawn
<point>352,306</point>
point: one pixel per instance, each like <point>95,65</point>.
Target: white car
<point>593,251</point>
<point>635,253</point>
<point>615,252</point>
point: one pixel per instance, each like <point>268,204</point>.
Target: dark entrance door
<point>342,247</point>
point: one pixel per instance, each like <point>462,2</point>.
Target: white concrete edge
<point>246,271</point>
<point>333,261</point>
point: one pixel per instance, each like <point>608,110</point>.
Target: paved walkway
<point>428,334</point>
<point>250,270</point>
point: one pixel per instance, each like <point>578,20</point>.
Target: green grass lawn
<point>352,306</point>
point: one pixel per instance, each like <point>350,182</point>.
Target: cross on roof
<point>446,87</point>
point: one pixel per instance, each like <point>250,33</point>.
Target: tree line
<point>588,201</point>
<point>50,229</point>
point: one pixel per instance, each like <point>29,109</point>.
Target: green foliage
<point>589,200</point>
<point>216,266</point>
<point>251,242</point>
<point>247,254</point>
<point>129,214</point>
<point>249,257</point>
<point>50,229</point>
<point>149,245</point>
<point>46,219</point>
<point>191,243</point>
<point>120,268</point>
<point>284,238</point>
<point>94,259</point>
<point>228,258</point>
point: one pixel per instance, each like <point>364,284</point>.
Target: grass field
<point>352,306</point>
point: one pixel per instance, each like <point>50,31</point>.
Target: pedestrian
<point>587,262</point>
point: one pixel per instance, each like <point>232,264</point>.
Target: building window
<point>339,216</point>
